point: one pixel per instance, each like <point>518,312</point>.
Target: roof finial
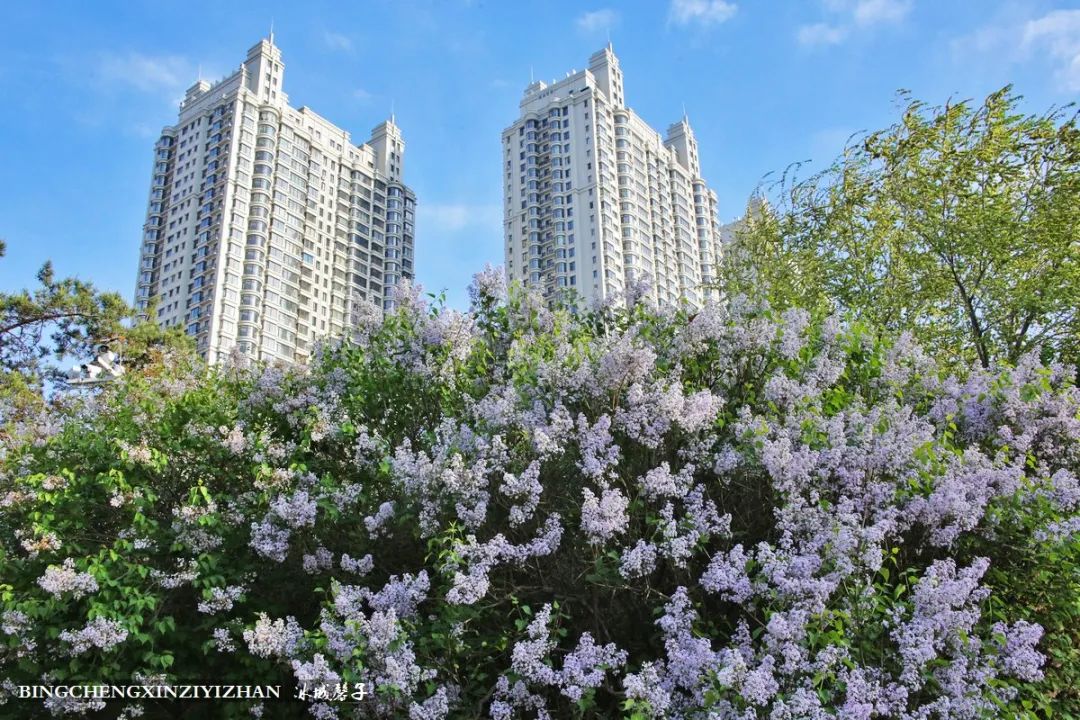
<point>392,115</point>
<point>531,78</point>
<point>684,118</point>
<point>200,72</point>
<point>271,31</point>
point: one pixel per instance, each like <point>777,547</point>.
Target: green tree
<point>66,318</point>
<point>958,223</point>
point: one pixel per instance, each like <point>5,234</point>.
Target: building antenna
<point>392,116</point>
<point>271,31</point>
<point>685,119</point>
<point>200,72</point>
<point>531,78</point>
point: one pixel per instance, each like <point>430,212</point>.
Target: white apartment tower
<point>267,228</point>
<point>596,199</point>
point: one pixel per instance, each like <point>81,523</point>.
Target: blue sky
<point>87,87</point>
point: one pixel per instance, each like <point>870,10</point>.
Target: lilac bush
<point>521,512</point>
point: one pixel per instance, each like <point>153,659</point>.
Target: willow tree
<point>959,223</point>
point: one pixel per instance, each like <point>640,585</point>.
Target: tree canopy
<point>66,318</point>
<point>960,224</point>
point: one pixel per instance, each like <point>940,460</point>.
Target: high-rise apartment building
<point>596,199</point>
<point>267,228</point>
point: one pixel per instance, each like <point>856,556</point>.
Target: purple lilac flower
<point>598,452</point>
<point>100,633</point>
<point>296,511</point>
<point>436,707</point>
<point>1019,657</point>
<point>527,488</point>
<point>321,560</point>
<point>587,665</point>
<point>727,576</point>
<point>361,566</point>
<point>488,285</point>
<point>605,517</point>
<point>269,541</point>
<point>638,561</point>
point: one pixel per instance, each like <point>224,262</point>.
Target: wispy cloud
<point>1053,38</point>
<point>455,217</point>
<point>847,15</point>
<point>597,21</point>
<point>702,13</point>
<point>820,34</point>
<point>880,12</point>
<point>337,41</point>
<point>361,95</point>
<point>1056,35</point>
<point>162,75</point>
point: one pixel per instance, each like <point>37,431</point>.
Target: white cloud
<point>455,217</point>
<point>164,75</point>
<point>1057,35</point>
<point>701,12</point>
<point>880,12</point>
<point>337,41</point>
<point>362,95</point>
<point>597,20</point>
<point>1011,40</point>
<point>820,34</point>
<point>849,14</point>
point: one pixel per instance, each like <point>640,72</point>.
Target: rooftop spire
<point>271,31</point>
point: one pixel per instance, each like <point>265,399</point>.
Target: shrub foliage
<point>515,512</point>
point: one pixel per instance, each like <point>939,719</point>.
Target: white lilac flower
<point>273,638</point>
<point>221,599</point>
<point>59,580</point>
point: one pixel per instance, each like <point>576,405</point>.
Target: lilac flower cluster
<point>583,668</point>
<point>739,514</point>
<point>296,511</point>
<point>100,633</point>
<point>321,560</point>
<point>480,559</point>
<point>221,599</point>
<point>269,540</point>
<point>62,579</point>
<point>604,517</point>
<point>273,638</point>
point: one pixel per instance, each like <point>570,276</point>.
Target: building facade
<point>595,199</point>
<point>267,228</point>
